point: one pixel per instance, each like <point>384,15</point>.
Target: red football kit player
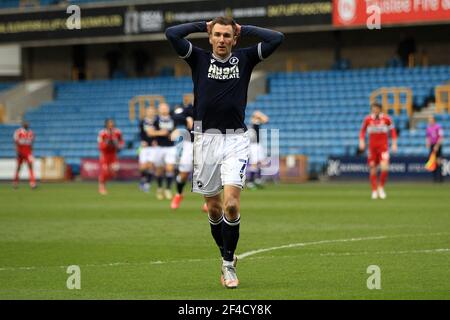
<point>109,142</point>
<point>23,138</point>
<point>378,126</point>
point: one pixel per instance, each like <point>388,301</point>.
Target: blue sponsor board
<point>341,168</point>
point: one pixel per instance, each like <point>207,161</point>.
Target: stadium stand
<point>318,113</point>
<point>6,85</point>
<point>9,4</point>
<point>69,125</point>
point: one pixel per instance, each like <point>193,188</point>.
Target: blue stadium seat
<point>318,113</point>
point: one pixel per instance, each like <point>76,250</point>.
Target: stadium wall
<point>309,51</point>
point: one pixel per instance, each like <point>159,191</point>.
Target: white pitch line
<point>243,255</point>
<point>303,244</point>
<point>334,254</point>
<point>112,264</point>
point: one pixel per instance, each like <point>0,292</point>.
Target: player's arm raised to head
<point>176,35</point>
<point>362,134</point>
<point>271,39</point>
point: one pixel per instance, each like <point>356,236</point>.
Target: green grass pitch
<point>320,239</point>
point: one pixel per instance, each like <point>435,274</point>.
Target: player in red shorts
<point>378,125</point>
<point>110,141</point>
<point>23,138</point>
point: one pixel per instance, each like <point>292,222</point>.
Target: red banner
<point>357,12</point>
<point>128,169</point>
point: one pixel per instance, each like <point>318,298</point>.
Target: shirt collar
<point>222,60</point>
<point>379,116</point>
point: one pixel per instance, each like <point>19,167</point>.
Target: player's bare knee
<point>214,210</point>
<point>232,208</point>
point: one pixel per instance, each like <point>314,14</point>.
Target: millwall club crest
<point>234,61</point>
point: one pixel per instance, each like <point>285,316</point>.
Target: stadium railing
<point>143,102</point>
<point>442,94</point>
<point>397,102</point>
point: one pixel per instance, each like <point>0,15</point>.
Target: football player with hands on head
<point>221,142</point>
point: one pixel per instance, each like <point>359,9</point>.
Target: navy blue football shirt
<point>180,115</point>
<point>143,127</point>
<point>220,85</point>
<point>164,122</point>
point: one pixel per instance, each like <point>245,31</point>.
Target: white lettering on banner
<point>249,12</point>
<point>408,6</point>
<point>446,4</point>
<point>391,6</point>
<point>397,167</point>
<point>404,167</point>
<point>173,17</point>
<point>416,167</point>
<point>354,167</point>
<point>145,21</point>
<point>426,5</point>
<point>333,168</point>
<point>151,21</point>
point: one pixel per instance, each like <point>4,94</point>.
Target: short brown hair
<point>376,105</point>
<point>226,21</point>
